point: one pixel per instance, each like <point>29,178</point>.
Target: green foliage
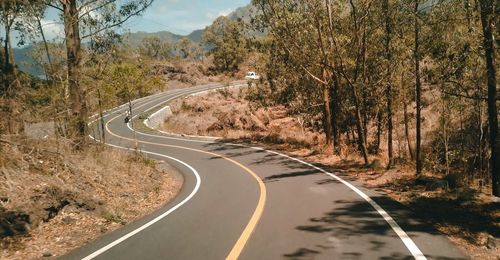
<point>227,42</point>
<point>154,48</point>
<point>128,81</point>
<point>187,49</point>
<point>355,49</point>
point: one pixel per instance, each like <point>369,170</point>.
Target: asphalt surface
<point>251,203</point>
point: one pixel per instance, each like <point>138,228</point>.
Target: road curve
<point>251,203</point>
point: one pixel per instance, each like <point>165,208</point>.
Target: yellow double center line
<point>252,223</point>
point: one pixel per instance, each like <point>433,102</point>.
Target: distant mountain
<point>26,63</point>
<point>245,13</point>
<point>135,39</point>
<point>196,36</point>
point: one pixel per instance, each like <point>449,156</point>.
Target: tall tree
<point>389,66</point>
<point>418,88</point>
<point>153,47</point>
<point>187,48</point>
<point>110,13</point>
<point>228,43</point>
<point>9,16</point>
<point>487,22</point>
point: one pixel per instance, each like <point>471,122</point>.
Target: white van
<point>252,76</point>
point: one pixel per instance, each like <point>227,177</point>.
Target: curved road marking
<point>408,242</point>
<point>160,217</point>
<point>259,209</point>
<point>405,238</point>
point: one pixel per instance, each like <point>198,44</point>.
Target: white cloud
<point>213,16</point>
<point>52,29</point>
<point>226,12</point>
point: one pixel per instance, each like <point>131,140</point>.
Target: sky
<point>177,16</point>
<point>183,16</point>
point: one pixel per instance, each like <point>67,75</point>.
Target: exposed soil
<point>469,217</point>
<point>53,200</point>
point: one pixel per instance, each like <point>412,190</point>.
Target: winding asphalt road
<point>241,202</point>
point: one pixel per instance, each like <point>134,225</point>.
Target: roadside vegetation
<point>54,199</point>
<point>58,190</point>
<point>465,213</point>
<point>401,95</point>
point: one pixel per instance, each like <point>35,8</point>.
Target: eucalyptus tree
<point>153,47</point>
<point>104,15</point>
<point>228,44</point>
<point>489,16</point>
<point>9,14</point>
<point>299,41</point>
<point>10,19</point>
<point>187,48</point>
<point>326,41</point>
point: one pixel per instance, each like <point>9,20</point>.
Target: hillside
<point>27,64</point>
<point>244,13</point>
<point>135,39</point>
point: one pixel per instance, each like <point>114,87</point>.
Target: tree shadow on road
<point>362,233</point>
<point>351,219</point>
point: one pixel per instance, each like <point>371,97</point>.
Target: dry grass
<point>466,215</point>
<point>225,113</point>
<point>53,200</point>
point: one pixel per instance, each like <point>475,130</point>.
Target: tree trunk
<point>444,118</point>
<point>359,127</point>
<point>10,80</point>
<point>364,97</point>
<point>7,66</point>
<point>327,110</point>
<point>487,20</point>
<point>334,107</point>
<point>379,130</point>
<point>418,92</point>
<point>101,116</point>
<point>480,136</point>
<point>77,126</point>
<point>406,120</point>
<point>47,52</point>
<point>388,56</point>
<point>327,116</point>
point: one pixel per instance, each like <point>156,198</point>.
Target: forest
<point>371,67</point>
<point>397,83</point>
<point>368,67</point>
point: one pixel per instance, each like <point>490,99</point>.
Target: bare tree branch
<point>126,18</point>
<point>47,3</point>
<point>95,8</point>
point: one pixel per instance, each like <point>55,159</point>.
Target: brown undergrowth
<point>53,200</point>
<point>469,217</point>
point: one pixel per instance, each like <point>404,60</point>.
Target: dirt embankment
<point>53,200</point>
<point>225,113</point>
<point>467,216</point>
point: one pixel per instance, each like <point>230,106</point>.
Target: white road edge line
<point>408,242</point>
<point>160,217</point>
